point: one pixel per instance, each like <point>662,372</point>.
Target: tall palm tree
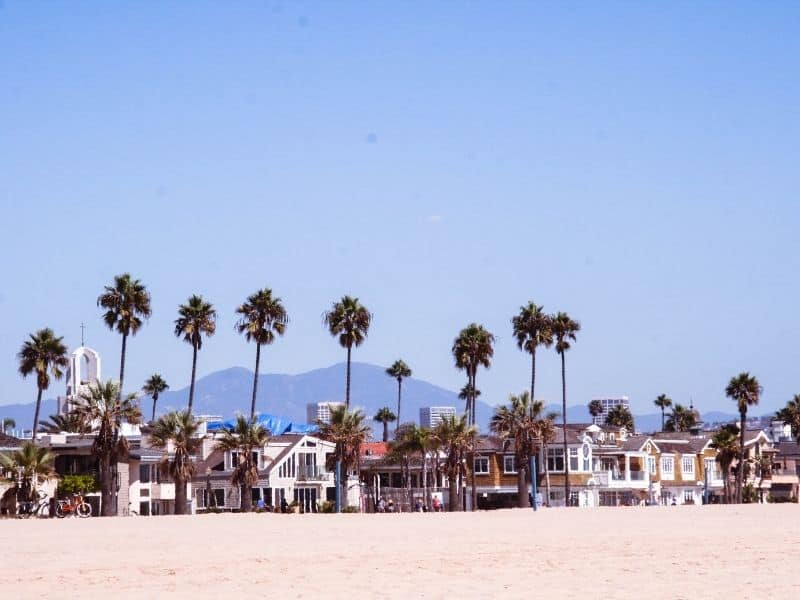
<point>564,330</point>
<point>516,423</point>
<point>262,316</point>
<point>415,440</point>
<point>196,319</point>
<point>127,302</point>
<point>348,431</point>
<point>473,347</point>
<point>34,464</point>
<point>45,355</point>
<point>69,423</point>
<point>681,419</point>
<point>385,416</point>
<point>532,327</point>
<point>745,391</point>
<point>102,405</point>
<point>6,424</point>
<point>663,402</point>
<point>245,438</point>
<point>790,414</point>
<point>349,320</point>
<point>399,371</point>
<point>153,387</point>
<point>620,416</point>
<point>177,431</point>
<point>595,409</point>
<point>725,443</point>
<point>456,438</point>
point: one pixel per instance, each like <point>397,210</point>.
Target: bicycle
<point>34,508</point>
<point>75,506</point>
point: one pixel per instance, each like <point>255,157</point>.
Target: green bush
<point>327,507</point>
<point>350,509</point>
<point>78,484</point>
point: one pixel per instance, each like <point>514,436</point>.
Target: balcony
<point>621,479</point>
<point>312,473</point>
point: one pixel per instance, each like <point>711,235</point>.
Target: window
<point>509,464</point>
<point>688,497</point>
<point>687,465</point>
<point>219,497</point>
<point>573,459</point>
<point>481,465</point>
<point>710,465</point>
<point>555,459</point>
<point>651,464</point>
<point>667,467</point>
<point>144,473</point>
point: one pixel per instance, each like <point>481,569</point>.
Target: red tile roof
<point>378,449</point>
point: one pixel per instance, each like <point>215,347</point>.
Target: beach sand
<point>658,552</point>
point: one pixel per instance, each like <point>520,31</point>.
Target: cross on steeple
<point>83,327</point>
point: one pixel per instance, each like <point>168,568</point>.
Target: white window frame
<point>509,458</point>
<point>480,459</point>
<point>652,465</point>
<point>687,459</point>
<point>574,454</point>
<point>555,454</point>
<point>668,473</point>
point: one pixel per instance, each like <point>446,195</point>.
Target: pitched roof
<point>374,449</point>
<point>7,441</point>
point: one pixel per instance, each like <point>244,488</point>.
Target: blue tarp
<point>274,424</point>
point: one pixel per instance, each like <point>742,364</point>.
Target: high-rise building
<point>320,411</point>
<point>608,403</point>
<point>431,416</point>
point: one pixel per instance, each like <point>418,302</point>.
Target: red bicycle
<point>74,506</point>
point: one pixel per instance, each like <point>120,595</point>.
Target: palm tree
<point>399,371</point>
<point>34,465</point>
<point>245,439</point>
<point>102,405</point>
<point>385,416</point>
<point>45,355</point>
<point>348,431</point>
<point>790,414</point>
<point>69,423</point>
<point>663,402</point>
<point>473,347</point>
<point>262,316</point>
<point>350,321</point>
<point>620,416</point>
<point>153,387</point>
<point>516,423</point>
<point>197,318</point>
<point>412,439</point>
<point>457,438</point>
<point>6,424</point>
<point>564,330</point>
<point>681,419</point>
<point>532,328</point>
<point>745,391</point>
<point>595,409</point>
<point>466,394</point>
<point>725,443</point>
<point>127,302</point>
<point>547,433</point>
<point>177,433</point>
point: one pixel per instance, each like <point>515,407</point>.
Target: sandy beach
<point>659,552</point>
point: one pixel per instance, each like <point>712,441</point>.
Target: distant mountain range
<point>229,391</point>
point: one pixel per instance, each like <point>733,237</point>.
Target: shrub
<point>78,484</point>
<point>350,509</point>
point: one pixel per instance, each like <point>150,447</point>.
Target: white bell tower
<point>83,370</point>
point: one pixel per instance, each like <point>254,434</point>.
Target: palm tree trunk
<point>194,372</point>
<point>155,399</point>
<point>522,487</point>
<point>180,495</point>
<point>546,474</point>
<point>452,487</point>
<point>386,431</point>
<point>255,383</point>
<point>662,418</point>
<point>347,381</point>
<point>564,422</point>
<point>472,466</point>
<point>533,377</point>
<point>740,471</point>
<point>122,363</point>
<point>36,413</point>
<point>106,487</point>
<point>247,497</point>
<point>399,394</point>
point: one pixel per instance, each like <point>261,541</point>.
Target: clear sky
<point>633,164</point>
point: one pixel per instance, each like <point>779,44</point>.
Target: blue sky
<point>632,164</point>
